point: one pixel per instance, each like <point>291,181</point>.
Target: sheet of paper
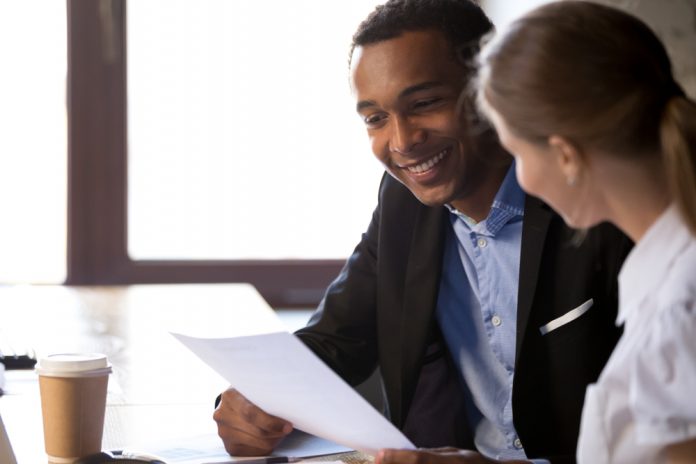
<point>209,448</point>
<point>277,372</point>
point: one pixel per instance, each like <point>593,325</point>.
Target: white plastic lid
<point>73,365</point>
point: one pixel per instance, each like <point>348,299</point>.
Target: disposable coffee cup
<point>73,402</point>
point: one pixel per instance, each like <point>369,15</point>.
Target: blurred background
<point>164,141</point>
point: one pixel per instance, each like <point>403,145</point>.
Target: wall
<point>674,21</point>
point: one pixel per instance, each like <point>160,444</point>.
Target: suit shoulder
<point>391,191</point>
<point>610,237</point>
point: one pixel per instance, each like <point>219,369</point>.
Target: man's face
<point>407,91</point>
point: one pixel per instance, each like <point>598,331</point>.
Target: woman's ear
<point>568,156</point>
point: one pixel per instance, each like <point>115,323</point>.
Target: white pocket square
<point>570,316</point>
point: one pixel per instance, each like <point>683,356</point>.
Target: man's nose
<point>405,136</point>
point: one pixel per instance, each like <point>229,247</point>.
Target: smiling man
<point>485,319</point>
<point>418,127</point>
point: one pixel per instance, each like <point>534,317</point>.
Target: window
<point>164,177</point>
<point>33,149</point>
<point>243,141</point>
<point>111,240</point>
<point>502,12</point>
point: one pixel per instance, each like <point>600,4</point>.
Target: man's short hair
<point>462,22</point>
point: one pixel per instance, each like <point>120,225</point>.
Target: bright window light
<point>503,12</point>
<point>33,142</point>
<point>243,138</point>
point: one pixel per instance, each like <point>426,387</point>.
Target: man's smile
<point>421,167</point>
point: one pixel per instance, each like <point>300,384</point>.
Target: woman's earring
<point>570,180</point>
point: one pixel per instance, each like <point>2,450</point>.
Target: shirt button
<point>518,443</point>
<point>482,242</point>
<point>496,321</point>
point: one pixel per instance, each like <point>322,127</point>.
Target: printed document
<point>278,373</point>
<point>205,449</point>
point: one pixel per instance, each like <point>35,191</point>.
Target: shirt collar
<point>507,206</point>
<point>652,256</point>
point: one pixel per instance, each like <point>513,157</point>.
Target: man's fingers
<point>245,429</point>
<point>271,425</point>
<point>429,456</point>
<point>246,435</point>
<point>393,456</point>
<point>238,412</point>
<point>243,449</point>
<point>240,443</point>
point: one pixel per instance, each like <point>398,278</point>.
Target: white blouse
<point>645,398</point>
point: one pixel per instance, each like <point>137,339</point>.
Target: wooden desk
<point>158,390</point>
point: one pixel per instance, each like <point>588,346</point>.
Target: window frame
<point>98,172</point>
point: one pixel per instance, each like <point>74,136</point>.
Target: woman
<point>583,96</point>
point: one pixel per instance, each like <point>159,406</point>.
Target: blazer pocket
<point>568,317</point>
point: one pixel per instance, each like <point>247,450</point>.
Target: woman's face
<point>557,176</point>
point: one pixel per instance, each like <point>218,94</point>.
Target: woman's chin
<point>579,222</point>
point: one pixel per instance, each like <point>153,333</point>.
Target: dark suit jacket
<point>379,312</point>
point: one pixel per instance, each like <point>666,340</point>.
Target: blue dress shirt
<point>477,313</point>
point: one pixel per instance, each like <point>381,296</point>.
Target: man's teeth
<point>426,165</point>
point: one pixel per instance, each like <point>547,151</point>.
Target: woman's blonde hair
<point>599,77</point>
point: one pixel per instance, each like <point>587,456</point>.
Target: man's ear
<point>568,156</point>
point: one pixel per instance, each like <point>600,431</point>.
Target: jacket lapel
<point>537,217</point>
<point>420,296</point>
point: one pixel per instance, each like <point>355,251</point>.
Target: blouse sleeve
<point>663,380</point>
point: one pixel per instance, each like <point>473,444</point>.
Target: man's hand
<point>245,429</point>
<point>435,456</point>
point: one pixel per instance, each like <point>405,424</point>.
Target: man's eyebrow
<point>404,93</point>
<point>364,104</point>
<point>418,87</point>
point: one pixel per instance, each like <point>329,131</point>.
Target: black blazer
<point>379,312</point>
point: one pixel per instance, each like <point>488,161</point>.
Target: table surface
<point>158,389</point>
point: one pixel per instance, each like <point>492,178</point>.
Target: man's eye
<point>374,119</point>
<point>427,102</point>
